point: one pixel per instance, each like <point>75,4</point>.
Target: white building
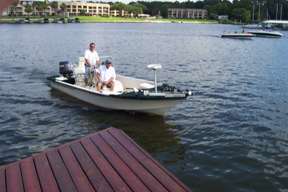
<point>76,8</point>
<point>180,13</point>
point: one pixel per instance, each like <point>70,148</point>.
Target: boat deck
<point>104,161</point>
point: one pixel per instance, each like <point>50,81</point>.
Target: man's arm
<point>87,63</point>
<point>97,59</point>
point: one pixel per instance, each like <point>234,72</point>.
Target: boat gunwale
<point>120,96</point>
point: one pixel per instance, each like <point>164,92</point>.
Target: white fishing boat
<point>237,35</point>
<point>252,26</point>
<point>262,33</point>
<point>129,94</point>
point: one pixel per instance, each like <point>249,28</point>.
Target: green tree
<point>221,8</point>
<point>54,5</point>
<point>63,7</point>
<point>134,9</point>
<point>40,6</point>
<point>242,15</point>
<point>119,6</point>
<point>28,9</point>
<point>82,12</point>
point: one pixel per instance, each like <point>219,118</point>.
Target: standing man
<point>92,61</point>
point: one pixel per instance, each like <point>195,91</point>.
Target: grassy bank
<point>98,19</point>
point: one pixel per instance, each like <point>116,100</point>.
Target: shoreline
<point>98,19</point>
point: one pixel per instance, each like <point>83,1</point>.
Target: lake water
<point>231,135</point>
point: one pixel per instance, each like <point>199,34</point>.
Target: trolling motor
<point>155,67</point>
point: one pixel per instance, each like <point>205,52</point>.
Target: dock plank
<point>75,170</point>
<point>107,170</point>
<point>45,174</point>
<point>106,161</point>
<point>170,182</point>
<point>131,179</point>
<point>30,178</point>
<point>14,179</point>
<point>135,165</point>
<point>2,180</point>
<point>95,176</point>
<point>61,174</point>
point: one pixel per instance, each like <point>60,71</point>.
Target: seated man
<point>106,77</point>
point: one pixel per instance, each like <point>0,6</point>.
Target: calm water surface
<point>230,136</point>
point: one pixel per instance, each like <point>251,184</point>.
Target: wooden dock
<point>104,161</point>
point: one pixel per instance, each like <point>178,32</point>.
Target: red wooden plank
<point>106,161</point>
<point>165,177</point>
<point>138,169</point>
<point>127,164</point>
<point>47,180</point>
<point>78,176</point>
<point>14,179</point>
<point>96,178</point>
<point>30,178</point>
<point>2,180</point>
<point>61,174</point>
<point>107,170</point>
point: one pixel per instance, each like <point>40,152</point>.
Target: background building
<point>82,8</point>
<point>187,13</point>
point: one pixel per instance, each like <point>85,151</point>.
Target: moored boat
<point>262,33</point>
<point>129,94</point>
<point>252,26</point>
<point>238,35</point>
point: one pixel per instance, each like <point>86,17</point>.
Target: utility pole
<point>253,10</point>
<point>276,11</point>
<point>259,11</point>
<point>281,9</point>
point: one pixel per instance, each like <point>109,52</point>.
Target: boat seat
<point>80,67</point>
<point>118,87</point>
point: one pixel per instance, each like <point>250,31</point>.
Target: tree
<point>242,15</point>
<point>134,8</point>
<point>28,9</point>
<point>40,6</point>
<point>82,12</point>
<point>54,5</point>
<point>63,7</point>
<point>119,6</point>
<point>221,8</point>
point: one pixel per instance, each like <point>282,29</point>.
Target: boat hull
<point>237,35</point>
<point>151,106</point>
<point>266,34</point>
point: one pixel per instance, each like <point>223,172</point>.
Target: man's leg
<point>87,75</point>
<point>99,86</point>
<point>91,77</point>
<point>111,85</point>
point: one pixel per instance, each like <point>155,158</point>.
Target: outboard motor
<point>66,69</point>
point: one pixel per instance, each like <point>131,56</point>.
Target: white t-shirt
<point>92,57</point>
<point>106,74</point>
